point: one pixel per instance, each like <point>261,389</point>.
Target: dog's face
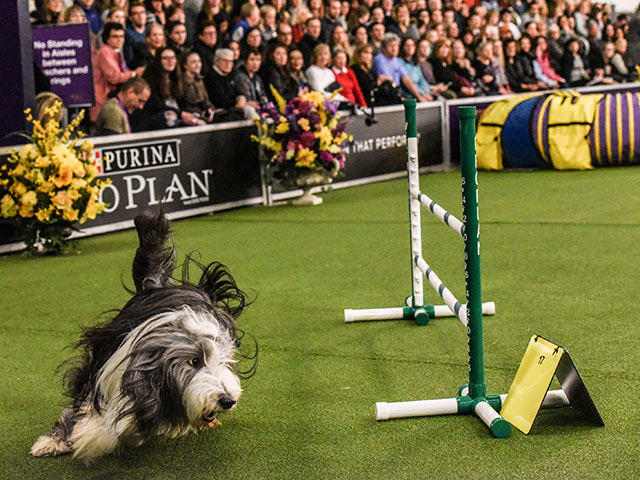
<point>178,370</point>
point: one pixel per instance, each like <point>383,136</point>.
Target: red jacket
<point>350,86</point>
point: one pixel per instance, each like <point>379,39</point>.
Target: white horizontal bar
<point>363,314</point>
<point>444,216</point>
<point>419,408</point>
<point>446,294</point>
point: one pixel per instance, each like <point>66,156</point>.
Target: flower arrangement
<point>50,184</point>
<point>303,139</point>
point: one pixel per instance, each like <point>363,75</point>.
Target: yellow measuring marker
<point>542,360</point>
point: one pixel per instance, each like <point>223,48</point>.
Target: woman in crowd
<point>321,77</point>
<point>212,10</point>
<point>465,73</point>
<point>163,110</point>
<point>359,36</point>
<point>424,19</point>
<point>144,52</point>
<point>177,37</point>
<point>614,65</point>
<point>526,57</point>
<point>316,7</point>
<point>514,70</point>
<point>299,16</point>
<point>49,12</point>
<point>361,67</point>
<point>574,65</point>
<point>409,61</point>
<point>268,24</point>
<point>347,79</point>
<point>252,40</point>
<point>442,63</point>
<point>276,73</point>
<point>339,39</point>
<point>155,12</point>
<point>195,98</point>
<point>542,68</point>
<point>486,70</point>
<point>499,62</point>
<point>115,15</point>
<point>111,4</point>
<point>402,24</point>
<point>295,68</point>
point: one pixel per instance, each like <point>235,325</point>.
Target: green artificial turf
<point>559,258</point>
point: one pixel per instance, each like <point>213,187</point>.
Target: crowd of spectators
<point>163,63</point>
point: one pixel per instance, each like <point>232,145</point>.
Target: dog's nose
<point>226,402</point>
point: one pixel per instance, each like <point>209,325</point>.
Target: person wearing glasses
<point>222,92</point>
<point>109,67</point>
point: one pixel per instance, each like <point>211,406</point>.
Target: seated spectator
<point>316,7</point>
<point>360,36</point>
<point>347,79</point>
<point>177,37</point>
<point>48,13</point>
<point>295,67</point>
<point>109,5</point>
<point>464,83</point>
<point>155,12</point>
<point>195,97</point>
<point>136,31</point>
<point>93,17</point>
<point>331,19</point>
<point>212,11</point>
<point>555,45</point>
<point>205,44</point>
<point>542,66</point>
<point>115,15</point>
<point>498,61</point>
<point>235,48</point>
<point>367,79</point>
<point>409,61</point>
<point>515,71</point>
<point>321,77</point>
<point>299,18</point>
<point>422,58</point>
<point>250,17</point>
<point>274,73</point>
<point>614,66</point>
<point>377,31</point>
<point>388,63</point>
<point>145,52</point>
<point>574,66</point>
<point>268,24</point>
<point>221,91</point>
<point>109,68</point>
<point>114,116</point>
<point>284,36</point>
<point>252,41</point>
<point>162,109</point>
<point>73,14</point>
<point>485,69</point>
<point>402,24</point>
<point>246,80</point>
<point>311,39</point>
<point>424,20</point>
<point>339,39</point>
<point>526,57</point>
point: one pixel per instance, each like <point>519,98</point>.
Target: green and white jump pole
<point>472,396</point>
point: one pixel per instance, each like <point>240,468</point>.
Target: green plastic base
<point>500,428</point>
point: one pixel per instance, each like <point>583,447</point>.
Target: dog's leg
<point>153,262</point>
<point>57,442</point>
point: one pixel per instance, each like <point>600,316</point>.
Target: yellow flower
<point>78,183</point>
<point>26,211</point>
<point>70,215</point>
<point>305,158</point>
<point>92,210</point>
<point>8,207</point>
<point>92,171</point>
<point>87,146</point>
<point>65,174</point>
<point>26,152</point>
<point>30,198</point>
<point>43,215</point>
<point>62,201</point>
<point>73,194</point>
<point>317,98</point>
<point>283,126</point>
<point>18,188</point>
<point>17,171</point>
<point>333,123</point>
<point>45,187</point>
<point>304,124</point>
<point>42,162</point>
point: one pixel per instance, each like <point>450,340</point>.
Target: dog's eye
<point>195,362</point>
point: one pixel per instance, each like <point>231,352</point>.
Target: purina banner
<point>63,53</point>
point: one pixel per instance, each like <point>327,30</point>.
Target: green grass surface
<point>559,258</point>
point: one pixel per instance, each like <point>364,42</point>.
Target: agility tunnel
<point>563,130</point>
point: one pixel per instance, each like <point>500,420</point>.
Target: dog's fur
<point>165,365</point>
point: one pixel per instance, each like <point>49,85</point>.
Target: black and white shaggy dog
<point>165,365</point>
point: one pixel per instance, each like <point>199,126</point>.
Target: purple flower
<point>281,156</point>
<point>307,139</point>
<point>331,106</point>
<point>314,118</point>
<point>325,156</point>
<point>271,111</point>
<point>341,159</point>
<point>290,109</point>
<point>339,130</point>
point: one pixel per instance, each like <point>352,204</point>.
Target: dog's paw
<point>50,446</point>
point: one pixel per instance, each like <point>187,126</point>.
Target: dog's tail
<point>153,263</point>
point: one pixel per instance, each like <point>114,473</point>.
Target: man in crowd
<point>311,39</point>
<point>205,44</point>
<point>250,14</point>
<point>376,35</point>
<point>388,64</point>
<point>247,82</point>
<point>136,26</point>
<point>221,90</point>
<point>284,36</point>
<point>114,116</point>
<point>331,19</point>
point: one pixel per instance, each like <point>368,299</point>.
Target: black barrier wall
<point>197,170</point>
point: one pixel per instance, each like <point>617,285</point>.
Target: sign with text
<point>63,53</point>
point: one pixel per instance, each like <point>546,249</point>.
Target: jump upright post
<point>473,396</point>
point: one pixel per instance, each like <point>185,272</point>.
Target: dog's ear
<point>153,262</point>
